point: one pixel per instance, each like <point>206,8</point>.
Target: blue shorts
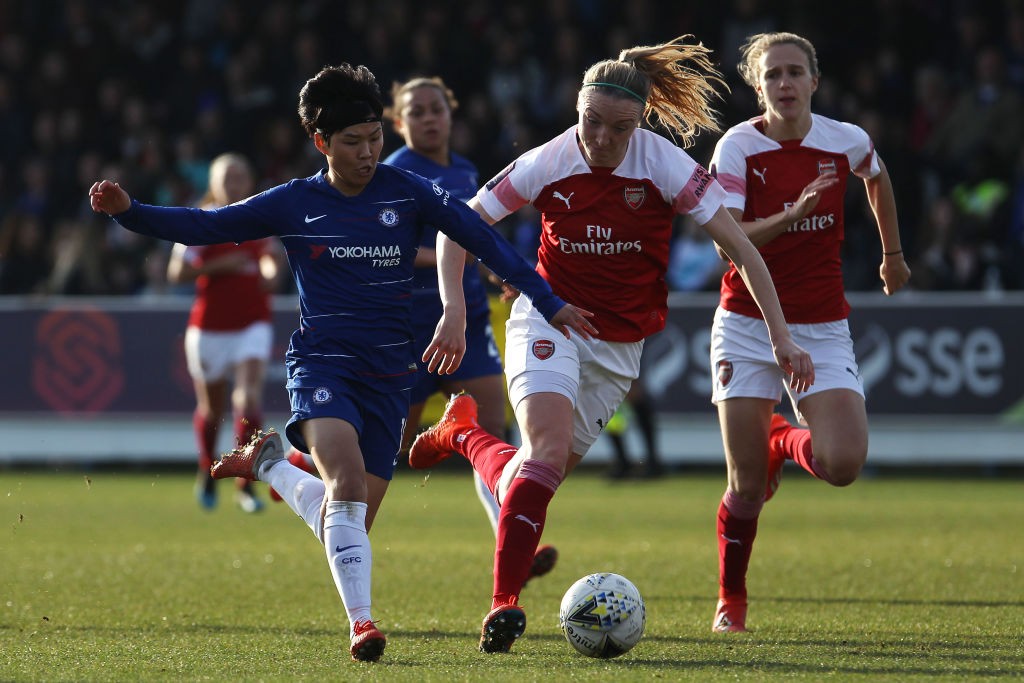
<point>482,358</point>
<point>379,419</point>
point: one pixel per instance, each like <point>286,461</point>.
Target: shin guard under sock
<point>737,528</point>
<point>520,525</point>
<point>796,443</point>
<point>488,454</point>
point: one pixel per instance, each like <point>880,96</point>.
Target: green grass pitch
<point>114,575</point>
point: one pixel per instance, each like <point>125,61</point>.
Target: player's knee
<point>845,465</point>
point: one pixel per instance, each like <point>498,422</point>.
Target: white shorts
<point>743,365</point>
<point>595,375</point>
<point>211,355</point>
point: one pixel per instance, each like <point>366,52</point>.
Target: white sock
<point>303,492</point>
<point>491,506</point>
<point>348,554</point>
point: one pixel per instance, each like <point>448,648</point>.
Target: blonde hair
<point>756,45</point>
<point>218,170</point>
<point>398,89</point>
<point>675,82</point>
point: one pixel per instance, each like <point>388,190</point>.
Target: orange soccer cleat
<point>246,460</point>
<point>730,617</point>
<point>437,443</point>
<point>776,456</point>
<point>367,642</point>
<point>501,627</point>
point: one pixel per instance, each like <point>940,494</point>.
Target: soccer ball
<point>602,615</point>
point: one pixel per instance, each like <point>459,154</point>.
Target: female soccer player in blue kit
<point>422,114</point>
<point>351,233</point>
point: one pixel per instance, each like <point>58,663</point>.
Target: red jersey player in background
<point>229,336</point>
<point>785,173</point>
<point>607,191</point>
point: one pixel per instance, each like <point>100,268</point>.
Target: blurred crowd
<point>147,93</point>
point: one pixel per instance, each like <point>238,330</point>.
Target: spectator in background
<point>988,114</point>
<point>694,264</point>
<point>174,59</point>
<point>229,337</point>
<point>24,254</point>
<point>1015,231</point>
<point>638,407</point>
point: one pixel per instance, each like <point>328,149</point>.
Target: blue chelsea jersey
<point>460,178</point>
<point>352,259</point>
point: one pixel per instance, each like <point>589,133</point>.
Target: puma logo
<point>760,174</point>
<point>529,521</point>
<point>559,195</point>
<point>731,540</point>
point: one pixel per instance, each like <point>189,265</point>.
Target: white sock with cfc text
<point>348,554</point>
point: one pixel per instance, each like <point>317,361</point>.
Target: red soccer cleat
<point>543,561</point>
<point>246,460</point>
<point>437,443</point>
<point>730,617</point>
<point>297,458</point>
<point>367,642</point>
<point>501,627</point>
<point>776,456</point>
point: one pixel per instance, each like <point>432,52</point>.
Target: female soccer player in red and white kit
<point>229,337</point>
<point>785,173</point>
<point>607,191</point>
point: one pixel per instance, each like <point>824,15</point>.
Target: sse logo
<point>77,366</point>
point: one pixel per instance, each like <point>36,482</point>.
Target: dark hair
<point>338,97</point>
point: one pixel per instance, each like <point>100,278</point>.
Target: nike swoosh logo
<point>315,218</point>
<point>339,549</point>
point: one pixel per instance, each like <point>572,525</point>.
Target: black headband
<point>349,113</point>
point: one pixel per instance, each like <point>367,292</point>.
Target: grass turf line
<point>120,576</point>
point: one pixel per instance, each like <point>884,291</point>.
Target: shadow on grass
<point>853,601</point>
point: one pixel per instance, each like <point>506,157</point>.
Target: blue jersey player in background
<point>351,233</point>
<point>421,111</point>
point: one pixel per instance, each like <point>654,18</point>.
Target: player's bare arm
<point>894,271</point>
<point>794,360</point>
<point>763,231</point>
<point>448,346</point>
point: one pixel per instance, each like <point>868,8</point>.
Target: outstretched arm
<point>109,198</point>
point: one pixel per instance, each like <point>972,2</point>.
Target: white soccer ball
<point>602,615</point>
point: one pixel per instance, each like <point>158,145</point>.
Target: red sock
<point>796,443</point>
<point>206,438</point>
<point>488,455</point>
<point>737,527</point>
<point>520,526</point>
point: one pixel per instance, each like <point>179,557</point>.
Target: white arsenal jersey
<point>764,177</point>
<point>606,231</point>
